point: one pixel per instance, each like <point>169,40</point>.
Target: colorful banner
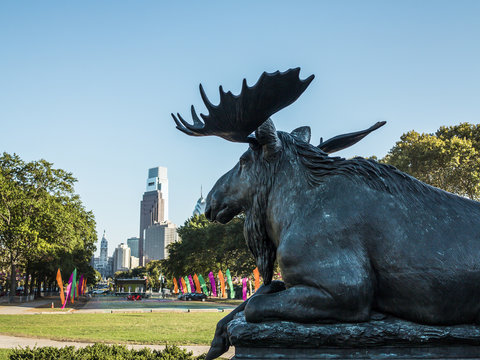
<point>222,284</point>
<point>192,286</point>
<point>74,286</point>
<point>203,284</point>
<point>230,284</point>
<point>60,286</point>
<point>198,288</point>
<point>187,285</point>
<point>175,286</point>
<point>256,274</point>
<point>212,283</point>
<point>244,289</point>
<point>80,285</point>
<point>69,290</point>
<point>183,286</point>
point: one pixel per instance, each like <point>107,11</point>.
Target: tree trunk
<point>25,286</point>
<point>32,282</point>
<point>39,287</point>
<point>13,281</point>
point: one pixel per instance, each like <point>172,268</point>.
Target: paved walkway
<point>97,306</point>
<point>22,308</point>
<point>10,342</point>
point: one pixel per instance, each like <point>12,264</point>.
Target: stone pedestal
<point>383,338</point>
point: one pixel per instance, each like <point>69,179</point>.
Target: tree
<point>42,221</point>
<point>448,159</point>
<point>206,247</point>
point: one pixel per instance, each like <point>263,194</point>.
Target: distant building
<point>200,205</point>
<point>104,248</point>
<point>103,263</point>
<point>134,262</point>
<point>133,245</point>
<point>121,258</point>
<point>110,267</point>
<point>154,205</point>
<point>157,237</point>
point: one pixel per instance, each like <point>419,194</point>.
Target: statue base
<point>381,338</point>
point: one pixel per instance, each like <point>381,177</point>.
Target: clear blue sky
<point>90,85</point>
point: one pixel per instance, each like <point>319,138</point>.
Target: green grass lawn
<point>140,328</point>
<point>4,354</point>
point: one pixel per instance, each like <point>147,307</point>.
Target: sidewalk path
<point>10,342</point>
<point>22,308</point>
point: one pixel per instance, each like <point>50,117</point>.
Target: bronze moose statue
<point>350,236</point>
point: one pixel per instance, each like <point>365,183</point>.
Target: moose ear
<point>302,133</point>
<point>267,137</point>
<point>343,141</point>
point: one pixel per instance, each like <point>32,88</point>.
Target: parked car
<point>100,291</point>
<point>192,296</point>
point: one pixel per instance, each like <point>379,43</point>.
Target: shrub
<point>101,352</point>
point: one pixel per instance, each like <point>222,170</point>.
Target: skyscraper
<point>200,205</point>
<point>154,205</point>
<point>121,258</point>
<point>104,248</point>
<point>133,245</point>
<point>101,263</point>
<point>157,237</point>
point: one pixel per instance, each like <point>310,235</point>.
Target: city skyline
<point>90,87</point>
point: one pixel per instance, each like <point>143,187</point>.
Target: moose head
<point>246,118</point>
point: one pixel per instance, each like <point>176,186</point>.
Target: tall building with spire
<point>103,263</point>
<point>154,205</point>
<point>200,205</point>
<point>104,248</point>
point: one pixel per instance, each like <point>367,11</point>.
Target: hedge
<point>101,352</point>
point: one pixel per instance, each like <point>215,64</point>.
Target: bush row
<point>101,352</point>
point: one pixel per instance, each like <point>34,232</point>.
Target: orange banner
<point>184,284</point>
<point>222,284</point>
<point>60,286</point>
<point>198,288</point>
<point>256,274</point>
<point>175,286</point>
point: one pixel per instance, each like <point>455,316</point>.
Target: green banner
<point>189,288</point>
<point>203,285</point>
<point>74,284</point>
<point>230,284</point>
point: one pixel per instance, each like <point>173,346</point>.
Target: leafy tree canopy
<point>448,159</point>
<point>206,246</point>
<point>43,224</point>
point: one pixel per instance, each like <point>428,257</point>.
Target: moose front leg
<point>220,343</point>
<point>305,304</point>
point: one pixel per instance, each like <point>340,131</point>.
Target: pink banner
<point>192,286</point>
<point>212,282</point>
<point>69,290</point>
<point>181,286</point>
<point>244,289</point>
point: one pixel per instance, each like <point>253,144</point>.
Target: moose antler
<point>237,116</point>
<point>343,141</point>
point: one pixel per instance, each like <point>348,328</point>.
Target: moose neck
<point>256,229</point>
<point>266,216</point>
<point>290,182</point>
